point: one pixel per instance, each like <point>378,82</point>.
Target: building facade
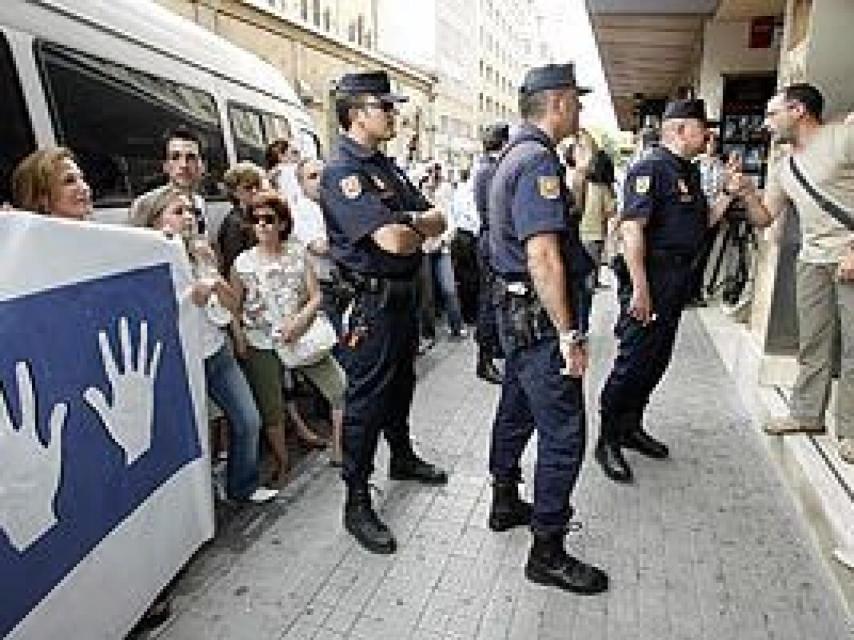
<point>312,57</point>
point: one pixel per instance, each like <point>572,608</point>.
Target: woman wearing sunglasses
<point>172,213</point>
<point>279,298</point>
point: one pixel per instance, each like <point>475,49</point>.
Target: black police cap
<point>374,83</point>
<point>496,134</point>
<point>551,76</point>
<point>687,109</point>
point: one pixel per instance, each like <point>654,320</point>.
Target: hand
<point>574,358</point>
<point>845,273</point>
<point>129,419</point>
<point>200,292</point>
<point>432,223</point>
<point>29,471</point>
<point>640,306</point>
<point>291,328</point>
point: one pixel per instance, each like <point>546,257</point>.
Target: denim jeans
<point>443,274</point>
<point>227,386</point>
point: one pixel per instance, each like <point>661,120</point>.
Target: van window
<point>115,119</point>
<point>16,133</point>
<point>276,128</point>
<point>248,133</point>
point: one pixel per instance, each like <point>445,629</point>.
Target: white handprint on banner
<point>129,419</point>
<point>29,470</point>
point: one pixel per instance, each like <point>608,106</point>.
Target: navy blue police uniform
<point>487,330</point>
<point>664,190</point>
<point>361,191</point>
<point>528,197</point>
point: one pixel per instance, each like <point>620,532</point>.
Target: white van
<point>108,78</point>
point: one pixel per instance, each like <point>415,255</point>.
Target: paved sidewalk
<point>706,545</point>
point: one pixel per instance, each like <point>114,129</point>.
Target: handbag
<point>311,347</point>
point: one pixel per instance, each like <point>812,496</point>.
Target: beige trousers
<point>825,306</point>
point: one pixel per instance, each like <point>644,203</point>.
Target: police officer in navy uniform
<point>377,221</point>
<point>489,347</point>
<point>532,244</point>
<point>664,219</point>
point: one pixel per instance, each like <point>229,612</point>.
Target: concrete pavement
<point>706,545</point>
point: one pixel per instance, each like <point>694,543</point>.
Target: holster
<point>524,319</point>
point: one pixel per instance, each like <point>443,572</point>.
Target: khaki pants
<point>824,307</point>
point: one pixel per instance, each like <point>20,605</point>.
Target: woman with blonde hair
<point>50,182</point>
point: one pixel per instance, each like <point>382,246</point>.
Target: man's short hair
<point>275,152</point>
<point>807,95</point>
<point>534,105</point>
<point>185,134</point>
<point>345,103</point>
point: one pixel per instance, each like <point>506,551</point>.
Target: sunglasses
<point>312,176</point>
<point>266,218</point>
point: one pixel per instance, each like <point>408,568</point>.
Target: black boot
<point>362,522</point>
<point>608,453</point>
<point>508,509</point>
<point>411,467</point>
<point>486,369</point>
<point>634,437</point>
<point>550,564</point>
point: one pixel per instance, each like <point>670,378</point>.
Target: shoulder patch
<point>642,184</point>
<point>351,187</point>
<point>549,187</point>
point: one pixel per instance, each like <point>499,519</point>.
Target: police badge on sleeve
<point>549,187</point>
<point>351,187</point>
<point>642,184</point>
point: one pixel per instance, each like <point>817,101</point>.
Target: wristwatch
<point>573,338</point>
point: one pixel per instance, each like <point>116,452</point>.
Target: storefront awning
<point>648,47</point>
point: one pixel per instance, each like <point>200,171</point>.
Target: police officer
<point>665,216</point>
<point>531,242</point>
<point>489,347</point>
<point>377,221</point>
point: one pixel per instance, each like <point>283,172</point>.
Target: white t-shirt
<point>463,210</point>
<point>310,227</point>
<point>284,179</point>
<point>274,288</point>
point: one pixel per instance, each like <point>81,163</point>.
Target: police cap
<point>495,135</point>
<point>685,109</point>
<point>551,76</point>
<point>374,83</point>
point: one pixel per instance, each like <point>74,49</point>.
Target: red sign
<point>761,32</point>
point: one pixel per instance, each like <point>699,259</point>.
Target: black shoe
<point>642,442</point>
<point>549,564</point>
<point>611,459</point>
<point>508,509</point>
<point>486,370</point>
<point>414,468</point>
<point>362,522</point>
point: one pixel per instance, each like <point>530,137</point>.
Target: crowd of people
<point>334,274</point>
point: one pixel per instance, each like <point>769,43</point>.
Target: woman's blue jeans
<point>443,273</point>
<point>227,386</point>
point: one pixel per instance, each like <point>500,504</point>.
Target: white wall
<point>830,53</point>
<point>725,51</point>
<point>398,38</point>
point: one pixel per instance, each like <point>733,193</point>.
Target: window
<point>15,130</point>
<point>443,124</point>
<point>248,133</point>
<point>275,128</point>
<point>121,148</point>
<point>327,19</point>
<point>315,12</point>
<point>303,10</point>
<point>309,145</point>
<point>360,29</point>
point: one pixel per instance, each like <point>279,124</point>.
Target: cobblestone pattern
<point>705,546</point>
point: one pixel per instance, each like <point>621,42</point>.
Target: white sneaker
<point>262,495</point>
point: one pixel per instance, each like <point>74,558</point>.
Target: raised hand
<point>29,470</point>
<point>129,419</point>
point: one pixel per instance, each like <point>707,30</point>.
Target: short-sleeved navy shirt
<point>362,190</point>
<point>665,190</point>
<point>483,175</point>
<point>527,197</point>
